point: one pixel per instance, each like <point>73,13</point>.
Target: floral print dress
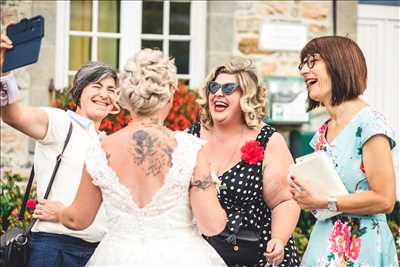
<point>352,240</point>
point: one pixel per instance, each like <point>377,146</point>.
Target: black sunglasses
<point>227,88</point>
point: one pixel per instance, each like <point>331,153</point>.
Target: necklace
<point>151,122</point>
<point>226,162</point>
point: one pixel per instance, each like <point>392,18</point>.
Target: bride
<point>155,184</point>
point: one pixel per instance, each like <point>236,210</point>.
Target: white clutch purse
<point>317,170</point>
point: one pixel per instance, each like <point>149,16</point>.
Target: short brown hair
<point>345,64</point>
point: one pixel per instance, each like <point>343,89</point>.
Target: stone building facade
<point>233,28</point>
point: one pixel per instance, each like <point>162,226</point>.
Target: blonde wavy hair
<point>146,81</point>
<point>253,99</point>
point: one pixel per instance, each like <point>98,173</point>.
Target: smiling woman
<point>93,91</point>
<point>345,74</point>
<point>154,183</point>
<point>359,142</point>
<point>250,161</point>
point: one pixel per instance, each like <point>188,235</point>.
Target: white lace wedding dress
<point>163,232</point>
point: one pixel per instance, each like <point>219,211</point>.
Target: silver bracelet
<point>8,90</point>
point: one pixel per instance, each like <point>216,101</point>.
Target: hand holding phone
<point>26,37</point>
<point>5,43</point>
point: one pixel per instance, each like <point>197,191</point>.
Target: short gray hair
<point>91,72</point>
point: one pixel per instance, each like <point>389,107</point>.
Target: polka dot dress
<point>243,201</point>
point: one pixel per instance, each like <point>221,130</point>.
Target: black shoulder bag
<point>15,244</point>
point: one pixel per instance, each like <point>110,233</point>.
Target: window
<point>112,31</point>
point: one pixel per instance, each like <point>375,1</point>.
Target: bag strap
<point>59,157</point>
<point>27,193</point>
<point>53,175</point>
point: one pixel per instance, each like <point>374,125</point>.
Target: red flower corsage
<point>252,152</point>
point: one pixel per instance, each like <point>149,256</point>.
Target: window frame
<point>130,37</point>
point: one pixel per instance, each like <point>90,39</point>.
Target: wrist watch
<point>332,204</point>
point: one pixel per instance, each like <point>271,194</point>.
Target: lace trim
<point>176,180</point>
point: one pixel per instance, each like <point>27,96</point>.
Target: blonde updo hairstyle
<point>253,100</point>
<point>146,81</point>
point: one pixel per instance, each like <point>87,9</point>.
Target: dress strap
<point>265,133</point>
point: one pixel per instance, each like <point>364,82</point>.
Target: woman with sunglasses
<point>358,141</point>
<point>250,160</point>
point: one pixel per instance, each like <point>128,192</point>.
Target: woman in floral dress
<point>358,142</point>
<point>251,161</point>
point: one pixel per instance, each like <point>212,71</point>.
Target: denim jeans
<point>54,250</point>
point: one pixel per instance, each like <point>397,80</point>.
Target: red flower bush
<point>184,111</point>
<point>252,152</point>
<point>115,122</point>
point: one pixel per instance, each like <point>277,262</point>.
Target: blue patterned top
<point>352,240</point>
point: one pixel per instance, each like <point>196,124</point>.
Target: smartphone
<point>26,36</point>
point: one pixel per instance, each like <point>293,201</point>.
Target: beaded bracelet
<point>8,90</point>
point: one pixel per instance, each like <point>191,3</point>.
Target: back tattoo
<point>150,153</point>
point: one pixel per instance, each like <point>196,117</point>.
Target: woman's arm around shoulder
<point>80,214</point>
<point>277,159</point>
<point>210,216</point>
<point>276,189</point>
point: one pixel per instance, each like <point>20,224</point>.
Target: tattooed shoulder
<point>149,153</point>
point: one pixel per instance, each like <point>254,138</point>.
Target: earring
<point>116,108</point>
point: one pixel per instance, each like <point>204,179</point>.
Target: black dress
<point>246,209</point>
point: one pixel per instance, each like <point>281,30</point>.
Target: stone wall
<point>32,80</point>
<point>316,15</point>
<point>234,29</point>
